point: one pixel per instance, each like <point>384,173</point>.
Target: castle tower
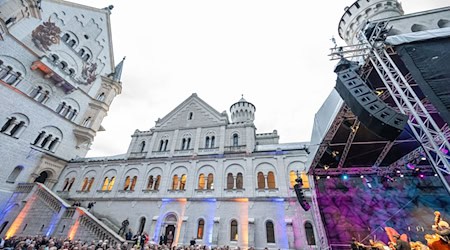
<point>242,111</point>
<point>361,11</point>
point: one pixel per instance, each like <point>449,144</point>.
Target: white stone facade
<point>50,86</point>
<point>241,180</point>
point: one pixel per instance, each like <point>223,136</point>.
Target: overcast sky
<point>273,52</point>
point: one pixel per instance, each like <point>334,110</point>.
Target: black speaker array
<point>374,113</point>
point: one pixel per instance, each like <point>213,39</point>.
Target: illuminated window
<point>261,181</point>
<point>270,233</point>
<point>127,183</point>
<point>200,228</point>
<point>292,177</point>
<point>183,182</point>
<point>105,184</point>
<point>150,182</point>
<point>133,183</point>
<point>158,180</point>
<point>304,180</point>
<point>271,180</point>
<point>234,231</point>
<point>175,182</point>
<point>91,182</point>
<point>85,183</point>
<point>201,181</point>
<point>210,183</point>
<point>111,183</point>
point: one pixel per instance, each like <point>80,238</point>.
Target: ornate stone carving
<point>46,35</point>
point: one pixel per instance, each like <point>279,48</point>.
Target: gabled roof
<point>203,115</point>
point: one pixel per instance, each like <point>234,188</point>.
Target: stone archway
<point>170,224</point>
<point>43,176</point>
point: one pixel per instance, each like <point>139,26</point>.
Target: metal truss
<point>316,213</point>
<point>351,136</point>
<point>423,126</point>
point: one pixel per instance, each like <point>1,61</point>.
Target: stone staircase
<point>82,223</point>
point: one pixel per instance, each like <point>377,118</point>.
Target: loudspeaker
<point>375,114</point>
<point>301,198</point>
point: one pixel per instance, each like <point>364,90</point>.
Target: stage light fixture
<point>328,177</point>
<point>401,175</point>
<point>345,177</point>
<point>410,166</point>
<point>423,158</point>
<point>444,150</point>
<point>421,175</point>
<point>362,176</point>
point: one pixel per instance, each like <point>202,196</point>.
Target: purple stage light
<point>411,166</point>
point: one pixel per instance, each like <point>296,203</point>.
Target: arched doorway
<point>169,232</point>
<point>141,225</point>
<point>42,177</point>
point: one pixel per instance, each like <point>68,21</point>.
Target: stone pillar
<point>222,139</point>
<point>174,142</point>
<point>216,229</point>
<point>152,145</point>
<point>13,123</point>
<point>197,140</point>
<point>184,227</point>
<point>251,232</point>
<point>290,233</point>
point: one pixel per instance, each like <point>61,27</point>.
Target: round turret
<point>242,111</point>
<point>361,11</point>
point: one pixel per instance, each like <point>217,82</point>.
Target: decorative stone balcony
<point>51,71</point>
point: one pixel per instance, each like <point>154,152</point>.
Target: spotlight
<point>401,175</point>
<point>328,177</point>
<point>362,176</point>
<point>421,176</point>
<point>410,166</point>
<point>435,174</point>
<point>326,167</point>
<point>318,177</point>
<point>344,176</point>
<point>444,150</point>
<point>423,158</point>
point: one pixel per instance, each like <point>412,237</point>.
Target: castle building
<point>57,81</point>
<point>196,174</point>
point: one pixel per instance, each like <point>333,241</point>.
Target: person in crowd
<point>401,244</point>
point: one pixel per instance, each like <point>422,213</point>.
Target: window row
<point>67,111</point>
<point>9,75</point>
<point>269,231</point>
<point>48,138</point>
<point>210,142</point>
<point>62,65</point>
<point>71,41</point>
<point>204,181</point>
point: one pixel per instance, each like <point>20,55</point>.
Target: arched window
<point>270,232</point>
<point>142,146</point>
<point>183,182</point>
<point>66,183</point>
<point>271,180</point>
<point>133,183</point>
<point>210,183</point>
<point>70,184</point>
<point>8,123</point>
<point>14,174</point>
<point>91,182</point>
<point>42,177</point>
<point>235,140</point>
<point>72,43</point>
<point>207,142</point>
<point>200,228</point>
<point>239,181</point>
<point>305,180</point>
<point>191,115</point>
<point>101,97</point>
<point>310,234</point>
<point>150,182</point>
<point>166,142</point>
<point>81,52</point>
<point>111,183</point>
<point>39,137</point>
<point>292,177</point>
<point>105,184</point>
<point>126,185</point>
<point>161,145</point>
<point>201,181</point>
<point>3,226</point>
<point>63,65</point>
<point>230,181</point>
<point>183,144</point>
<point>65,37</point>
<point>85,183</point>
<point>234,231</point>
<point>86,122</point>
<point>158,180</point>
<point>175,182</point>
<point>261,181</point>
<point>212,141</point>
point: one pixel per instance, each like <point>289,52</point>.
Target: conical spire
<point>118,71</point>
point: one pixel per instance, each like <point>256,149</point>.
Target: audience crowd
<point>50,243</point>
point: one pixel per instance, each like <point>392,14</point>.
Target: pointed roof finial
<point>242,98</point>
<point>118,71</point>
